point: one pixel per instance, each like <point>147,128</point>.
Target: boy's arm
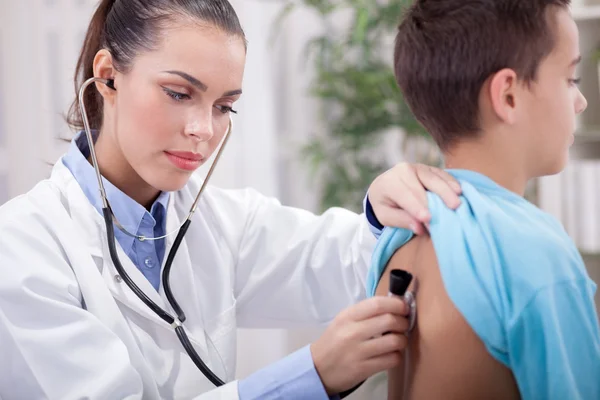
<point>554,344</point>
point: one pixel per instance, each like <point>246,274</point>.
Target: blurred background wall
<point>329,113</point>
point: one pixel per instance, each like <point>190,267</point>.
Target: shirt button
<point>149,263</point>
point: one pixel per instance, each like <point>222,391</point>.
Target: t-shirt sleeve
<point>554,344</point>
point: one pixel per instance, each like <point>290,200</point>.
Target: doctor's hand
<point>353,348</point>
<point>399,199</point>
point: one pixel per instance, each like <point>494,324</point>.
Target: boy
<point>505,305</point>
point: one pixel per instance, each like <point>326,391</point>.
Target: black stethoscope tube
<point>164,315</point>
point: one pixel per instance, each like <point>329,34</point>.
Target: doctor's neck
<point>115,168</point>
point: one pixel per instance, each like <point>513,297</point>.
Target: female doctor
<point>71,327</point>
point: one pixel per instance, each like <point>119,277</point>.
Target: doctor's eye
<point>176,95</point>
<point>574,82</point>
<point>225,109</point>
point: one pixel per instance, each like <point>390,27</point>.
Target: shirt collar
<point>483,183</point>
<point>128,211</point>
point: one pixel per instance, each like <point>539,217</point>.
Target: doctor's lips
<point>185,160</point>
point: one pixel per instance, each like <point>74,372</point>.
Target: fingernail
<point>456,187</point>
<point>423,215</point>
<point>413,228</point>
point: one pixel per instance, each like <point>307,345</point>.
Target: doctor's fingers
<point>382,345</point>
<point>381,363</point>
<point>382,324</point>
<point>374,306</point>
<point>410,194</point>
<point>441,183</point>
<point>398,218</point>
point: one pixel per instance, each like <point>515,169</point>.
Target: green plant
<point>355,82</point>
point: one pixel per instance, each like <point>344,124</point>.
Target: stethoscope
<point>176,322</point>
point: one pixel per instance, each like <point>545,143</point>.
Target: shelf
<point>586,146</point>
<point>586,13</point>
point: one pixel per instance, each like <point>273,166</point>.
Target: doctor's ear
<point>104,68</point>
<point>503,90</point>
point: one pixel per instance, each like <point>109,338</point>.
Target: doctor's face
<point>172,108</point>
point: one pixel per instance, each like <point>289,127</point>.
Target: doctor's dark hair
<point>446,49</point>
<point>127,27</point>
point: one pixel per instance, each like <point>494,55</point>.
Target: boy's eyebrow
<point>575,61</point>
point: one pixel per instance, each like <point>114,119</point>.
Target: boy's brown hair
<point>446,49</point>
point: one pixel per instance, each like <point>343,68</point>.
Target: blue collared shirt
<point>146,255</point>
<point>294,377</point>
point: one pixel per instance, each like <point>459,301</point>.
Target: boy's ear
<point>503,95</point>
<point>103,68</point>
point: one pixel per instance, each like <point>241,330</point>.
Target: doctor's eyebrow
<point>190,79</point>
<point>197,83</point>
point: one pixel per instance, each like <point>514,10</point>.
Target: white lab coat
<point>71,329</point>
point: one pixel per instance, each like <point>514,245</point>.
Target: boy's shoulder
<point>502,231</point>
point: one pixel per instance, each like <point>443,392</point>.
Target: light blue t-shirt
<point>520,283</point>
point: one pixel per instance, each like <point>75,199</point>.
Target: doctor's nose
<point>201,129</point>
<point>580,103</point>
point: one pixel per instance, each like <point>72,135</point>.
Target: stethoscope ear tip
<point>111,84</point>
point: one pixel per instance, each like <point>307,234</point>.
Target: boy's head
<point>468,68</point>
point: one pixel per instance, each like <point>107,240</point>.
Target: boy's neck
<point>502,165</point>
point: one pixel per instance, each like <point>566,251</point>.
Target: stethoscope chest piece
<point>411,302</point>
<point>400,281</point>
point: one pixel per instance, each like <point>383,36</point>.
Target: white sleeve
<point>50,346</point>
<point>295,268</point>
